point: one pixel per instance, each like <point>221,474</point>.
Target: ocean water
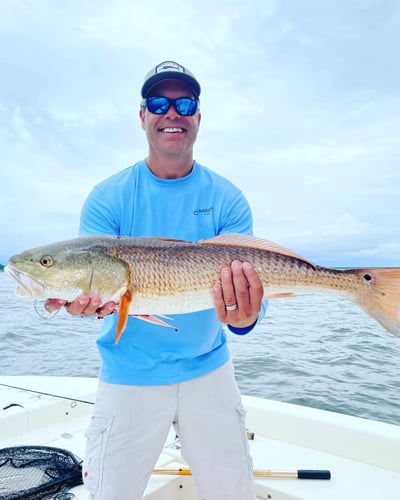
<point>314,350</point>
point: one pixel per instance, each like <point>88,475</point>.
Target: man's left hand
<point>238,298</point>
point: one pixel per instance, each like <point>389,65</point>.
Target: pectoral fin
<point>123,314</point>
<point>125,303</point>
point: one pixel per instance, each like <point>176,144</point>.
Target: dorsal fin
<point>172,240</point>
<point>243,240</point>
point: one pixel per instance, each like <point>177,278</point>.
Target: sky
<point>300,109</point>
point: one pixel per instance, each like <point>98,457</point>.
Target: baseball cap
<point>169,70</point>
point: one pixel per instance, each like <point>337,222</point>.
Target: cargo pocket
<point>241,412</point>
<point>96,445</point>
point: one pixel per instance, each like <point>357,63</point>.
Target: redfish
<point>152,277</point>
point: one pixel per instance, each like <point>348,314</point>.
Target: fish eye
<point>46,261</point>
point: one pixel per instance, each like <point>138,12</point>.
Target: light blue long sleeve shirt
<point>134,202</point>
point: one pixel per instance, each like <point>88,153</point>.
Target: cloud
<point>300,109</point>
<point>344,225</point>
<point>389,250</point>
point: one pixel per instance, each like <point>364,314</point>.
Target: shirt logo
<point>203,211</point>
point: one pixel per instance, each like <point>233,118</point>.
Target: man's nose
<point>172,113</point>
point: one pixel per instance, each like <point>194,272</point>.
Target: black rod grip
<point>313,474</point>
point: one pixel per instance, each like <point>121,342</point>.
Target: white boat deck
<point>363,456</point>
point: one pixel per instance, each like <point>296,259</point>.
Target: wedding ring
<point>233,307</point>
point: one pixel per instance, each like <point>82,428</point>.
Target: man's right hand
<point>83,305</point>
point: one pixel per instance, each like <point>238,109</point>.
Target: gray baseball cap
<point>169,70</point>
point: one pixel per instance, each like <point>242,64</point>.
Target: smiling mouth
<point>171,130</point>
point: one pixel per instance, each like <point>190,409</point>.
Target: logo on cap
<point>169,66</point>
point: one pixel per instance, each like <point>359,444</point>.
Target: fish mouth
<point>27,285</point>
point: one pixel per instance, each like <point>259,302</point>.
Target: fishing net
<point>37,472</point>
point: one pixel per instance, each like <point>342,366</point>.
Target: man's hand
<point>238,298</point>
<point>82,306</point>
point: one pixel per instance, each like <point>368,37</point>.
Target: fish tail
<point>380,296</point>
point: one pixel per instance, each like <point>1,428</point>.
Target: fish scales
<point>177,267</point>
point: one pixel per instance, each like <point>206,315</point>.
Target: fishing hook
<point>48,318</point>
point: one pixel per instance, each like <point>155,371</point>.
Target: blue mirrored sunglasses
<point>185,106</point>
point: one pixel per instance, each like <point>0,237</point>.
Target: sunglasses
<point>185,106</point>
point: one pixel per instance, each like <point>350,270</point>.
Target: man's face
<point>170,134</point>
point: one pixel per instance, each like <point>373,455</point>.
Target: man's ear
<point>142,113</point>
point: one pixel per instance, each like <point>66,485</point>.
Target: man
<point>155,376</point>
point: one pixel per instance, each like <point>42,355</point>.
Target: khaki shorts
<point>131,423</point>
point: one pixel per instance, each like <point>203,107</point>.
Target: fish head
<point>67,269</point>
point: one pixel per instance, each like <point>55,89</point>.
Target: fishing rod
<point>260,473</point>
<point>76,400</point>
